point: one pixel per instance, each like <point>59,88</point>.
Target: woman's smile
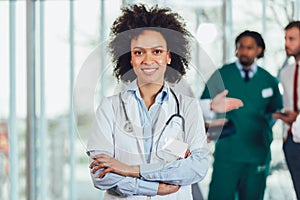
<point>149,70</point>
<point>149,57</point>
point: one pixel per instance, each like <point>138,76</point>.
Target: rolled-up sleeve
<point>180,172</point>
<point>125,186</point>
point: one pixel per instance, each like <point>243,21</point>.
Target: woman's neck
<point>149,92</point>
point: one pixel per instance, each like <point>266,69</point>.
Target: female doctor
<point>148,142</point>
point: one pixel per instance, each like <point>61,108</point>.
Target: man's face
<point>292,42</point>
<point>247,50</point>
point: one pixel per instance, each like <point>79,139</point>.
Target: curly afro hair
<point>137,18</point>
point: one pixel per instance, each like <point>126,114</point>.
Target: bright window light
<point>206,33</point>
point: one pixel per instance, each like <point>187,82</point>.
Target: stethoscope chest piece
<point>128,126</point>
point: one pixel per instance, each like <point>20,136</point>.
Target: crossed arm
<point>110,164</point>
<point>149,179</point>
<point>128,186</point>
<point>146,179</point>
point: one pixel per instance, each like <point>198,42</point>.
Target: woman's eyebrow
<point>154,47</point>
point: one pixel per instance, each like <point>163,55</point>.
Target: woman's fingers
<point>100,160</point>
<point>105,171</point>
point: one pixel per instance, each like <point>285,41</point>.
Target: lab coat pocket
<point>175,129</point>
<point>169,135</point>
<point>128,145</point>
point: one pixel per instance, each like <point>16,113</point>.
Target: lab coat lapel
<point>134,117</point>
<point>160,134</point>
<point>160,123</point>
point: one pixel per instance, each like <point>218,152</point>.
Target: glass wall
<point>46,99</point>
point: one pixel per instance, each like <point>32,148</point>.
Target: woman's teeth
<point>149,70</point>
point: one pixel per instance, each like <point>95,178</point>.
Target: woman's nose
<point>148,59</point>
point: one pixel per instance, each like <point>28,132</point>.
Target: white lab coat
<point>108,134</point>
<point>286,79</point>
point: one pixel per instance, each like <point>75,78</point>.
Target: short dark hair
<point>256,36</point>
<point>137,18</point>
<point>293,24</point>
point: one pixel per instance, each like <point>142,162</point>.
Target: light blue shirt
<point>148,118</point>
<point>252,70</point>
<point>179,172</point>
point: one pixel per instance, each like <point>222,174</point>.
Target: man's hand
<point>111,164</point>
<point>289,117</point>
<point>164,189</point>
<point>221,103</point>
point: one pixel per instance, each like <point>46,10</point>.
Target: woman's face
<point>149,57</point>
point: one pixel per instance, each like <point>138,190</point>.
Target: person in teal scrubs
<point>242,160</point>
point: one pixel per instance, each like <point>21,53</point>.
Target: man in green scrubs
<point>241,160</point>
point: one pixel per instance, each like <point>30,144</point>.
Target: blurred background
<point>45,47</point>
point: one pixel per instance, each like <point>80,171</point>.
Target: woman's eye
<point>158,51</point>
<point>138,53</point>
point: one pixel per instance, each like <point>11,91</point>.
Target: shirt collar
<point>252,69</point>
<point>132,88</point>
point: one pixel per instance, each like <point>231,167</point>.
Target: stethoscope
<point>128,125</point>
<point>129,128</point>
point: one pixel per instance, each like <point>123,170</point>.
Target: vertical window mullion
<point>42,118</point>
<point>31,97</point>
<point>71,117</point>
<point>227,30</point>
<point>13,134</point>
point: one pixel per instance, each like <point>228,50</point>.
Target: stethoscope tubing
<point>129,128</point>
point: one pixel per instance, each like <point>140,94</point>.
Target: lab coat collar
<point>132,88</point>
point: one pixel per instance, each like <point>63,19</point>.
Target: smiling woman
<point>140,162</point>
<point>58,27</point>
<point>149,59</point>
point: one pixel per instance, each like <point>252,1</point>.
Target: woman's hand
<point>111,164</point>
<point>164,189</point>
<point>187,153</point>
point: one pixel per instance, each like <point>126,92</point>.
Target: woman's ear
<point>169,58</point>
